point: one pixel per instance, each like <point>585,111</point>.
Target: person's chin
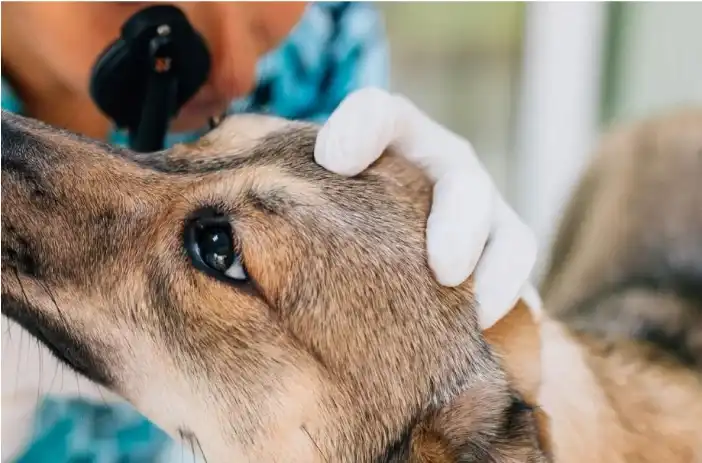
<point>192,119</point>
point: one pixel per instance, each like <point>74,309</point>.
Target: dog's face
<point>235,291</point>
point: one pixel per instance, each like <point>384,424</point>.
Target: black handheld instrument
<point>145,77</point>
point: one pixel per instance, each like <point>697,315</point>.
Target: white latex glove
<point>471,229</point>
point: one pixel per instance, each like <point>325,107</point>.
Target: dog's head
<point>235,291</point>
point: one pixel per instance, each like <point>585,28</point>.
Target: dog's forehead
<point>243,134</point>
<point>241,141</point>
<point>240,131</point>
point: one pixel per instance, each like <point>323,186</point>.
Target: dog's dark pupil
<point>216,248</point>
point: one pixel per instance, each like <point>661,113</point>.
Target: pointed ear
<point>516,340</point>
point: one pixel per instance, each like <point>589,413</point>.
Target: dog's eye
<point>217,251</point>
<point>211,246</point>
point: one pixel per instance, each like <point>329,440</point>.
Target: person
<point>324,62</point>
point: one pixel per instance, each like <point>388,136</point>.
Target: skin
<point>48,50</point>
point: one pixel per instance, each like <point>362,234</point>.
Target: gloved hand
<point>471,229</point>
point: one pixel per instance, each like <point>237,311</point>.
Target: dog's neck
<point>550,367</point>
<point>579,417</point>
<point>582,420</point>
<point>453,432</point>
<point>460,425</point>
<point>606,404</point>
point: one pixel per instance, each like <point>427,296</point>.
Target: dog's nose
<point>18,142</point>
<point>25,162</point>
<point>11,136</point>
<point>27,150</point>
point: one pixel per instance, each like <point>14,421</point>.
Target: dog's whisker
<point>319,450</point>
<point>199,446</point>
<point>9,333</point>
<point>19,354</point>
<point>78,385</point>
<point>56,370</point>
<point>202,452</point>
<point>53,301</point>
<point>63,375</point>
<point>190,438</point>
<point>41,371</point>
<point>102,397</point>
<point>48,292</point>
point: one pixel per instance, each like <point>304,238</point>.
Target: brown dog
<point>626,280</point>
<point>241,296</point>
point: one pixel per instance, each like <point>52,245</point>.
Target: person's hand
<point>471,229</point>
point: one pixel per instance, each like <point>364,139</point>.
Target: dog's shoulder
<point>627,262</point>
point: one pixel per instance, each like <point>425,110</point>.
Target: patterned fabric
<point>337,47</point>
<point>77,431</point>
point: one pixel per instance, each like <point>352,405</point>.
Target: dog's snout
<point>28,199</point>
<point>23,152</point>
<point>15,138</point>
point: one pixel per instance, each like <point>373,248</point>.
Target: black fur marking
<point>17,253</point>
<point>685,284</point>
<point>399,450</point>
<point>58,339</point>
<point>514,417</point>
<point>26,173</point>
<point>270,202</point>
<point>163,299</point>
<point>673,344</point>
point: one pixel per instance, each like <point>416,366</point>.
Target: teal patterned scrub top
<point>337,47</point>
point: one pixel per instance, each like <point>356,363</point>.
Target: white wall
<point>559,110</point>
<point>657,67</point>
<point>660,65</point>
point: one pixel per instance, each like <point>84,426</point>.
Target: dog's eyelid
<point>212,246</point>
<point>206,220</point>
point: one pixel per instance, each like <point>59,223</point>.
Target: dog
<point>625,279</point>
<point>244,298</point>
<point>240,295</point>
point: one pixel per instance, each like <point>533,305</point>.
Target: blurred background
<point>532,85</point>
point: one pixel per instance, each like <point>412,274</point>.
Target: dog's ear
<point>517,341</point>
<point>471,424</point>
<point>484,423</point>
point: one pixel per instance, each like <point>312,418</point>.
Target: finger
<point>459,224</point>
<point>429,145</point>
<point>357,133</point>
<point>456,233</point>
<point>504,267</point>
<point>368,122</point>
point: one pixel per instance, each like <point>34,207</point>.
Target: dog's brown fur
<point>626,280</point>
<point>342,347</point>
<point>631,240</point>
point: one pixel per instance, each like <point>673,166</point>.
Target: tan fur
<point>342,348</point>
<point>630,240</point>
<point>621,368</point>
